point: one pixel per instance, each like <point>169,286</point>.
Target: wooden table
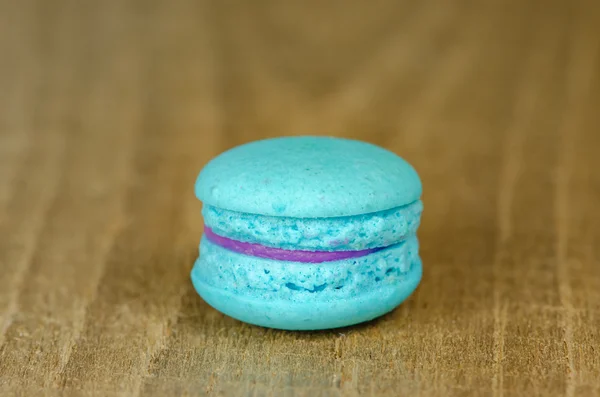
<point>108,109</point>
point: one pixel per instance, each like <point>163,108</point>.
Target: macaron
<point>308,233</point>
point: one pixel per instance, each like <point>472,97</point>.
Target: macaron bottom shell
<point>313,314</point>
<point>301,296</point>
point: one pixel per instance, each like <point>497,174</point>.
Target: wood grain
<point>108,109</point>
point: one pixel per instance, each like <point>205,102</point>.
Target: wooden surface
<point>109,108</point>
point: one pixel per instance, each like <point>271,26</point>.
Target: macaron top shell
<point>308,177</point>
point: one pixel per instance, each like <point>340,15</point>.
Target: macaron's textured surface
<point>308,232</point>
<point>308,177</point>
<point>376,229</point>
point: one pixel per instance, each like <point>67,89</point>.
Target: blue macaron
<point>306,233</point>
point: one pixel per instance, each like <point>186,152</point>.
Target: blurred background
<point>108,109</point>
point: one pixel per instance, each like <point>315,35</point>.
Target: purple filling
<point>282,254</point>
